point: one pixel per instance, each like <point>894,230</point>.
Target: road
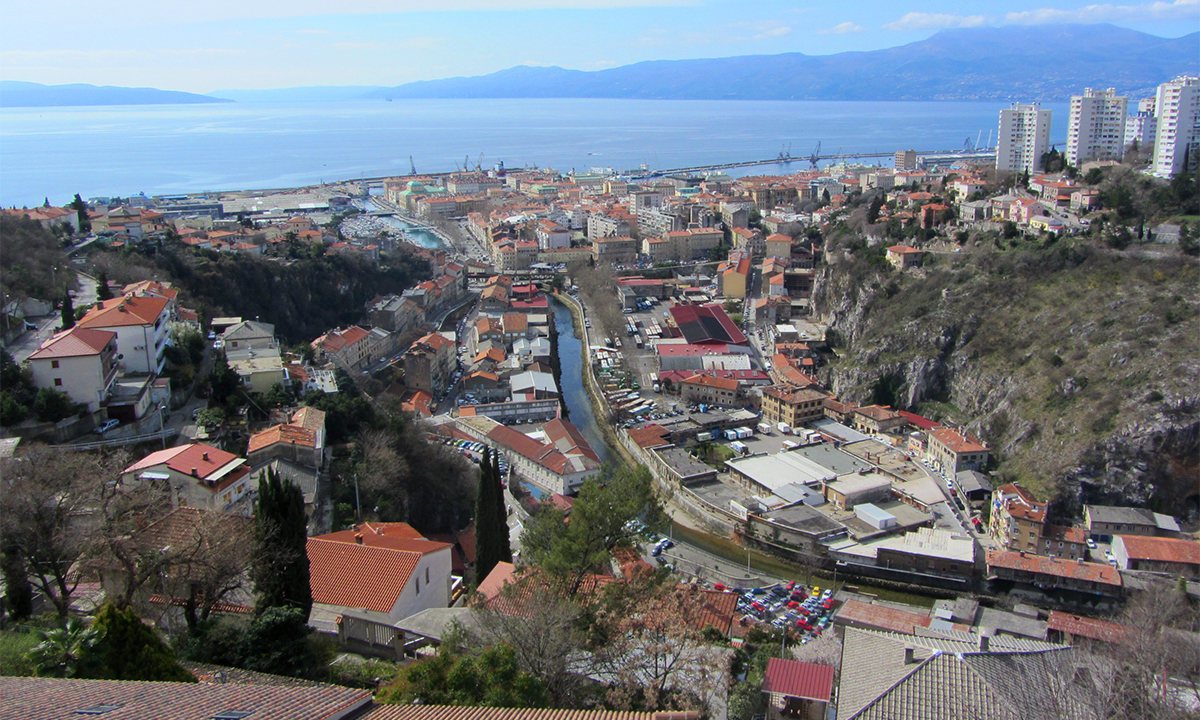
<point>32,340</point>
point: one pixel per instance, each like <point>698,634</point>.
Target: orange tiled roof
<point>289,434</point>
<point>125,310</point>
<point>75,342</point>
<point>358,576</point>
<point>958,442</point>
<point>1156,549</point>
<point>1037,564</point>
<point>1080,626</point>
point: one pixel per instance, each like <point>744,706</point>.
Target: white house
<point>141,324</point>
<point>79,362</point>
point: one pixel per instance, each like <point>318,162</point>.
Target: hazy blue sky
<point>206,45</point>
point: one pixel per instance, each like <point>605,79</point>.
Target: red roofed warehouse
<point>1175,556</point>
<point>1047,573</point>
<point>706,324</point>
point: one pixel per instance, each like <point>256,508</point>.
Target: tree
<point>103,291</point>
<point>47,514</point>
<point>62,649</point>
<point>490,679</point>
<point>81,213</point>
<point>277,642</point>
<point>280,570</point>
<point>18,592</point>
<point>128,649</point>
<point>569,552</point>
<point>490,534</point>
<point>52,405</point>
<point>68,311</point>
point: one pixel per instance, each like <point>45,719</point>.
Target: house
<point>792,405</point>
<point>196,475</point>
<point>300,441</point>
<point>80,362</point>
<point>1106,521</point>
<point>259,369</point>
<point>902,257</point>
<point>141,324</point>
<point>973,486</point>
<point>876,420</point>
<point>560,465</point>
<point>1172,556</point>
<point>1017,518</point>
<point>955,451</point>
<point>377,572</point>
<point>1053,574</point>
<point>887,676</point>
<point>797,689</point>
<point>249,334</point>
<point>429,363</point>
<point>708,389</point>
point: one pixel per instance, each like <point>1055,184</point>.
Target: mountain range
<point>1027,63</point>
<point>1046,62</point>
<point>27,94</point>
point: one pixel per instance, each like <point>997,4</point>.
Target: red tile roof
<point>958,442</point>
<point>76,342</point>
<point>370,576</point>
<point>46,698</point>
<point>445,712</point>
<point>1156,549</point>
<point>1080,626</point>
<point>648,436</point>
<point>205,458</point>
<point>919,421</point>
<point>1037,564</point>
<point>799,679</point>
<point>714,382</point>
<point>125,310</point>
<point>881,617</point>
<point>289,434</point>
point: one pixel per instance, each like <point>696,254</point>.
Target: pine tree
<point>129,650</point>
<point>280,570</point>
<point>487,531</point>
<point>68,312</point>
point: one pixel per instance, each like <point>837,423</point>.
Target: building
<point>430,363</point>
<point>1177,136</point>
<point>1173,556</point>
<point>1096,128</point>
<point>259,369</point>
<point>1024,136</point>
<point>141,324</point>
<point>1017,518</point>
<point>377,572</point>
<point>1107,521</point>
<point>615,249</point>
<point>955,451</point>
<point>79,362</point>
<point>797,689</point>
<point>353,348</point>
<point>197,475</point>
<point>792,406</point>
<point>249,334</point>
<point>559,465</point>
<point>902,257</point>
<point>956,676</point>
<point>1048,573</point>
<point>709,390</point>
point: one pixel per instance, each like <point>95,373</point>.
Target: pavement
<point>28,343</point>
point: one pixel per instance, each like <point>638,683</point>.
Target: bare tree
<point>50,513</point>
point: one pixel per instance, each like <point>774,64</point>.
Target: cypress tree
<point>487,532</point>
<point>103,291</point>
<point>280,570</point>
<point>129,650</point>
<point>501,512</point>
<point>68,311</point>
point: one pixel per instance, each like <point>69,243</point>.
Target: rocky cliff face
<point>1080,374</point>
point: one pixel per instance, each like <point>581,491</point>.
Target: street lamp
<point>162,425</point>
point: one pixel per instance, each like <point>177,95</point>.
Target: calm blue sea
<point>173,149</point>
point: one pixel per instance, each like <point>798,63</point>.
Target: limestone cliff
<point>1078,366</point>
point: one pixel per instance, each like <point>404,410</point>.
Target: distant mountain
<point>316,93</point>
<point>27,94</point>
<point>1045,62</point>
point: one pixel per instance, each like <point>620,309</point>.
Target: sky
<point>207,45</point>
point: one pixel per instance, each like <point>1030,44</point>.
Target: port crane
<point>815,156</point>
<point>412,166</point>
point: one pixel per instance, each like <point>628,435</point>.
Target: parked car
<point>108,425</point>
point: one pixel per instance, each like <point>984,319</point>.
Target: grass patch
<point>13,647</point>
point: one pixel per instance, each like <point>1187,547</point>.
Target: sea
<point>53,153</point>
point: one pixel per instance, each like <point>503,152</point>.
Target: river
<point>570,358</point>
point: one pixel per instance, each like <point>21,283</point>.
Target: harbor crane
<point>815,156</point>
<point>412,166</point>
<point>479,163</point>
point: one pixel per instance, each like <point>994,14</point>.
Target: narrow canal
<point>570,358</point>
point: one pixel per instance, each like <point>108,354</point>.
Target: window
<point>426,576</point>
<point>57,382</point>
<point>54,364</point>
<point>418,585</point>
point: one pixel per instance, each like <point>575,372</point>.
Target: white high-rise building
<point>1096,130</point>
<point>1177,138</point>
<point>1024,137</point>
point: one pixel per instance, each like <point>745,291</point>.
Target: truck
<point>744,433</point>
<point>704,436</point>
<point>784,429</point>
<point>739,447</point>
<point>764,428</point>
<point>731,435</point>
<point>790,444</point>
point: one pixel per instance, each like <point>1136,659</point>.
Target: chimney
<point>909,655</point>
<point>195,472</point>
<point>984,642</point>
<point>358,538</point>
<point>205,455</point>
